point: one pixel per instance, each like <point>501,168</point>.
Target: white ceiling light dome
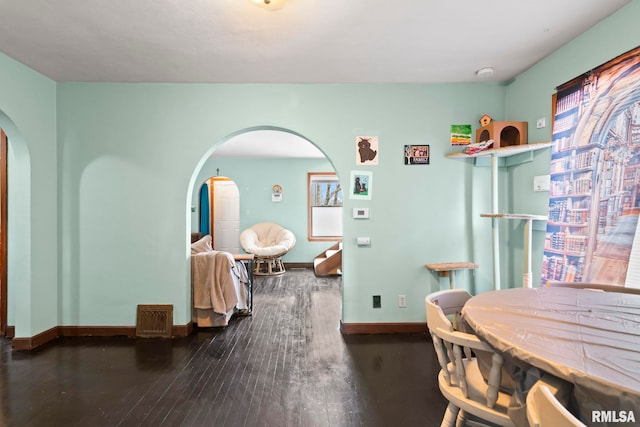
<point>269,4</point>
<point>485,73</point>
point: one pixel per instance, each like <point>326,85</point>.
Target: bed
<point>218,285</point>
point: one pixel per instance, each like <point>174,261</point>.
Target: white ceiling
<point>305,41</point>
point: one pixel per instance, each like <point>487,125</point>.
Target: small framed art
<point>460,134</point>
<point>366,150</point>
<point>361,185</point>
<point>416,154</point>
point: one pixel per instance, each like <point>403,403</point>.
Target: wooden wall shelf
<point>501,151</point>
<point>514,216</point>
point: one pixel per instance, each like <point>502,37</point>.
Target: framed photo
<point>360,185</point>
<point>416,154</point>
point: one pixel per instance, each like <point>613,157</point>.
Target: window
<point>325,206</point>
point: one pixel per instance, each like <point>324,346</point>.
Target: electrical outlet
<point>377,301</point>
<point>402,301</point>
<point>540,123</point>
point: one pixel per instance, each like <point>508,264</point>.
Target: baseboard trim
<point>97,331</point>
<point>88,331</point>
<point>182,330</point>
<point>383,328</point>
<point>35,341</point>
<point>185,330</point>
<point>292,265</point>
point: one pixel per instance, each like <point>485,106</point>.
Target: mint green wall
<point>28,117</point>
<point>102,219</point>
<point>131,154</point>
<point>254,178</point>
<point>529,98</point>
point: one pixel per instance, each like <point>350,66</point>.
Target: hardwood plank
<point>287,364</point>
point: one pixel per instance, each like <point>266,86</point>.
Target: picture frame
<point>416,154</point>
<point>367,150</point>
<point>460,134</point>
<point>361,185</point>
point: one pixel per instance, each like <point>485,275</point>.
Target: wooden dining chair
<point>546,404</point>
<point>460,379</point>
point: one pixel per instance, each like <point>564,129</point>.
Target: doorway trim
<point>3,233</point>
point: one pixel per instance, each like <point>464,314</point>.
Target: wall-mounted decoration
<point>460,134</point>
<point>276,193</point>
<point>361,185</point>
<point>503,134</point>
<point>416,154</point>
<point>366,150</point>
<point>485,119</point>
<point>594,192</point>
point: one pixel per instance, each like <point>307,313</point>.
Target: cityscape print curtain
<point>594,197</point>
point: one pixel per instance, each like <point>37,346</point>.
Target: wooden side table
<point>445,269</point>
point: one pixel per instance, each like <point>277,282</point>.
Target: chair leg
<point>461,420</point>
<point>257,266</point>
<point>450,416</point>
<point>268,266</point>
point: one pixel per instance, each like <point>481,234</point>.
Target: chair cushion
<point>267,239</point>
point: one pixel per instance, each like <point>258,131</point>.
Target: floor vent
<point>154,320</point>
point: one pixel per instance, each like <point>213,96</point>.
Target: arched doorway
<point>251,152</point>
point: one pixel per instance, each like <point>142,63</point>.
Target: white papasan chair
<point>268,241</point>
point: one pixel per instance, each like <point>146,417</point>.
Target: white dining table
<point>587,337</point>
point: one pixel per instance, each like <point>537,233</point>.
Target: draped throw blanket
<point>212,280</point>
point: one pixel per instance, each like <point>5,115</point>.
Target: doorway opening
<point>220,213</point>
<point>269,167</point>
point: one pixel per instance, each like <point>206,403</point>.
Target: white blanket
<point>213,282</point>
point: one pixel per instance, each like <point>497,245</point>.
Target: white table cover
<point>590,338</point>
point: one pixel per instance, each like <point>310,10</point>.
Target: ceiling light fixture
<point>484,73</point>
<point>269,4</point>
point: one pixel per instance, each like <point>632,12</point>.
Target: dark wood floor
<point>287,365</point>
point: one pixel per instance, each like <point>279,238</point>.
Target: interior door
<point>225,215</point>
